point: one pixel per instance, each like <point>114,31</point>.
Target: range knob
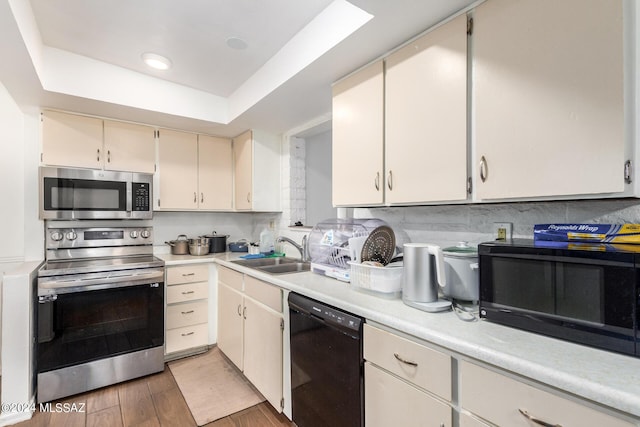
<point>71,235</point>
<point>134,234</point>
<point>145,234</point>
<point>56,236</point>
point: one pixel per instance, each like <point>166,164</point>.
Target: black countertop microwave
<point>586,293</point>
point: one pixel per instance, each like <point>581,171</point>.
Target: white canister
<point>462,272</point>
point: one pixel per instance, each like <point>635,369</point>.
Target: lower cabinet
<point>187,312</point>
<point>406,383</point>
<point>502,400</point>
<point>250,330</point>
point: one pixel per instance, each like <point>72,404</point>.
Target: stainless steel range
<point>100,308</point>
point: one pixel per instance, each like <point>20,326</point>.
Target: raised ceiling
<point>84,56</point>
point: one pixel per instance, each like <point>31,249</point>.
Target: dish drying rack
<point>329,247</point>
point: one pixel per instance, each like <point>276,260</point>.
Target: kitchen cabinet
<point>250,330</point>
<point>256,157</point>
<point>89,142</point>
<point>357,138</point>
<point>194,172</point>
<point>425,109</point>
<point>406,382</point>
<point>502,400</point>
<point>186,317</point>
<point>548,102</point>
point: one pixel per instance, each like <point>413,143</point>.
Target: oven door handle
<point>109,282</point>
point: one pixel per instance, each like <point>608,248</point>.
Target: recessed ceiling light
<point>156,61</point>
<point>236,43</point>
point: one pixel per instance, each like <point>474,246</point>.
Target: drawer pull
<point>188,274</point>
<point>187,334</point>
<point>187,292</point>
<point>407,362</point>
<point>187,312</point>
<point>535,420</point>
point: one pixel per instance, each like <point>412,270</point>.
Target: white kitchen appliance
<point>423,276</point>
<point>336,241</point>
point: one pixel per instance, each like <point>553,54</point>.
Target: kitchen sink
<point>280,265</point>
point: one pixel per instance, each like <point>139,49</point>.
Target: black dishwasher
<point>326,365</point>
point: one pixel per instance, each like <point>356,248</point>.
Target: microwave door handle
<point>129,198</point>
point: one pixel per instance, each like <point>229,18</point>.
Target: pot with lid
<point>217,242</point>
<point>180,246</point>
<point>462,272</point>
<point>199,246</point>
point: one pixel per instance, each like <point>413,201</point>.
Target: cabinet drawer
<point>185,314</point>
<point>267,294</point>
<point>187,274</point>
<point>411,361</point>
<point>230,277</point>
<point>187,337</point>
<point>187,292</point>
<point>391,401</point>
<point>499,399</point>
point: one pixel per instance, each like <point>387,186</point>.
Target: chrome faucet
<point>303,248</point>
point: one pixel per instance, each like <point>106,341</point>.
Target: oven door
<point>581,296</point>
<point>81,321</point>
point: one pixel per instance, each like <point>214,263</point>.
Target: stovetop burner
<point>79,266</point>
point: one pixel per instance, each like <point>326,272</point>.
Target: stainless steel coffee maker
<point>423,276</point>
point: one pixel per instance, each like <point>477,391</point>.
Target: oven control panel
<point>61,238</point>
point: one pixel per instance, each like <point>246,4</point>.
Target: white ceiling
<point>84,56</point>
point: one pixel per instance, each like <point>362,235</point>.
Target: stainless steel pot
<point>199,246</point>
<point>180,246</point>
<point>462,272</point>
<point>217,242</point>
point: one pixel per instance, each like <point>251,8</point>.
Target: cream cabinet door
<point>178,170</point>
<point>129,147</point>
<point>263,350</point>
<point>243,170</point>
<point>548,97</point>
<point>389,401</point>
<point>357,138</point>
<point>230,324</point>
<point>71,140</point>
<point>426,117</point>
<point>215,173</point>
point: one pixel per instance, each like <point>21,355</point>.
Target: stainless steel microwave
<point>94,194</point>
<point>586,293</point>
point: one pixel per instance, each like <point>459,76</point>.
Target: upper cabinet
<point>548,98</point>
<point>256,157</point>
<point>194,172</point>
<point>357,138</point>
<point>88,142</point>
<point>426,117</point>
<point>518,100</point>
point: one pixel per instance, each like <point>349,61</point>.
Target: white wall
<point>318,178</point>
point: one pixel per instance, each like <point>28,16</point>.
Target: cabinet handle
<point>98,155</point>
<point>188,274</point>
<point>407,362</point>
<point>249,197</point>
<point>108,156</point>
<point>201,197</point>
<point>195,197</point>
<point>377,182</point>
<point>536,420</point>
<point>390,180</point>
<point>244,312</point>
<point>187,312</point>
<point>239,310</point>
<point>484,169</point>
<point>187,293</point>
<point>187,334</point>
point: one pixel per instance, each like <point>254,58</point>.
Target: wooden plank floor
<point>154,400</point>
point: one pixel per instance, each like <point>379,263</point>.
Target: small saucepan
<point>180,246</point>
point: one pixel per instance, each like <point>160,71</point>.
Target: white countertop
<point>601,376</point>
